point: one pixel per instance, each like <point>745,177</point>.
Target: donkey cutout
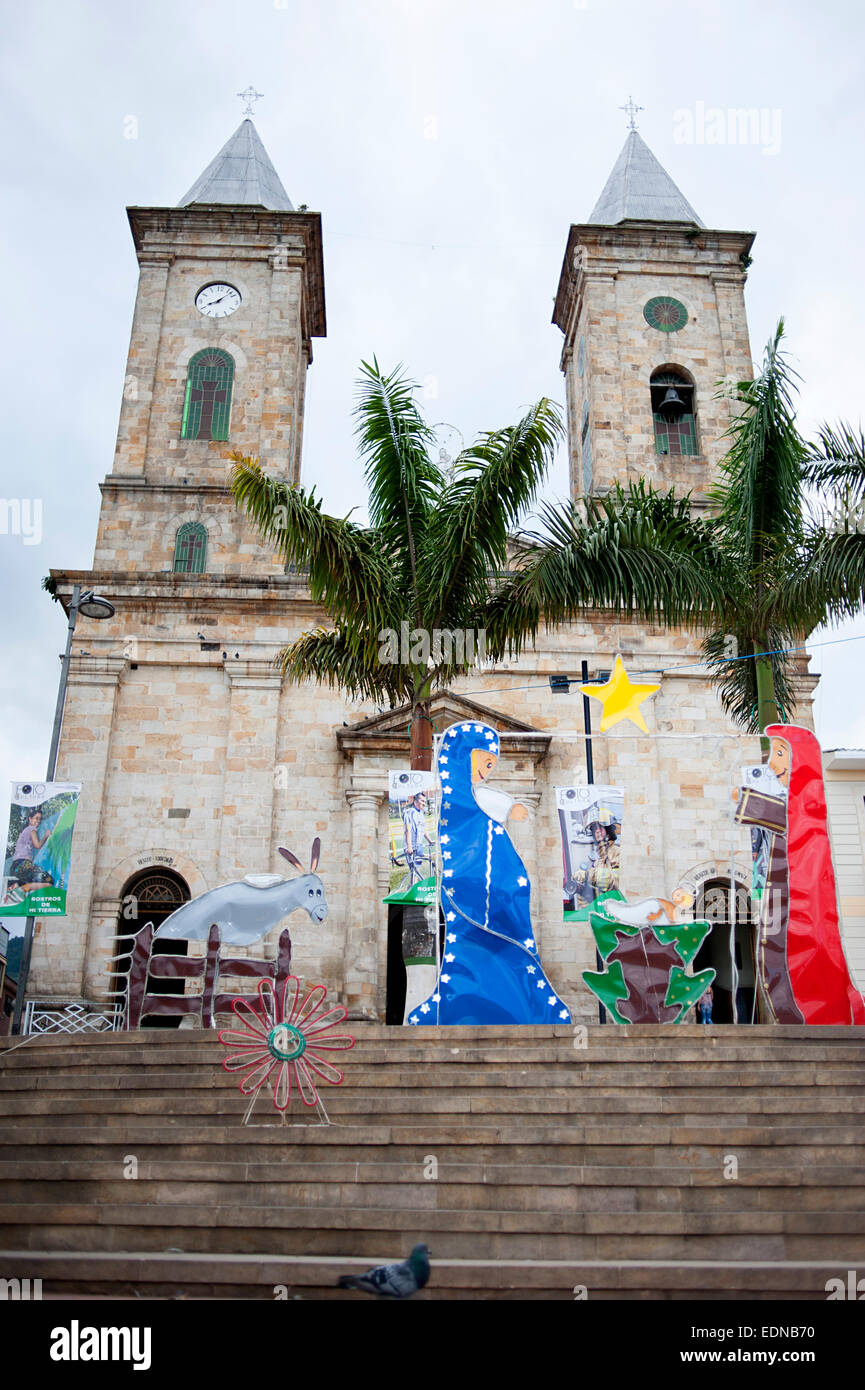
<point>246,910</point>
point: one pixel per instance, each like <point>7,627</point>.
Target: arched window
<point>190,548</point>
<point>673,412</point>
<point>207,408</point>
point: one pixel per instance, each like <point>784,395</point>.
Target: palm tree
<point>789,565</point>
<point>761,569</point>
<point>832,563</point>
<point>440,550</point>
<point>747,546</point>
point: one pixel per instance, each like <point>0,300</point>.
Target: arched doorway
<point>150,896</point>
<point>713,904</point>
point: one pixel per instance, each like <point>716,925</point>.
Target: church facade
<point>198,760</point>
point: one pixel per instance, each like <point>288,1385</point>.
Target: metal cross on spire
<point>250,96</point>
<point>632,110</point>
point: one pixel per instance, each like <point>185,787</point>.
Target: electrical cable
<point>681,666</point>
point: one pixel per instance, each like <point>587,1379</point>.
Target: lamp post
<point>590,778</point>
<point>92,606</point>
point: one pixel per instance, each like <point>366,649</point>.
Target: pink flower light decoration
<point>281,1041</point>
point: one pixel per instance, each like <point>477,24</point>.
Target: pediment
<point>389,732</point>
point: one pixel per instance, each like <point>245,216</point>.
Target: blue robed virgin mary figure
<point>491,971</point>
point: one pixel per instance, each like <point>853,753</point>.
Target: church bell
<point>672,406</point>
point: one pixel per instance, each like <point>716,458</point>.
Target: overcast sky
<point>448,146</point>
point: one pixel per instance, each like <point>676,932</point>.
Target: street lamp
<point>92,606</point>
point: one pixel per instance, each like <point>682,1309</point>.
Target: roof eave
<point>580,230</point>
<point>307,223</point>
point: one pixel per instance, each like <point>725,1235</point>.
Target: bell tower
<point>651,305</point>
<point>174,711</point>
<point>230,295</point>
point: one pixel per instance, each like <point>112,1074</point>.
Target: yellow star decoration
<point>620,698</point>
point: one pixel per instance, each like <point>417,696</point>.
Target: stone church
<point>198,760</point>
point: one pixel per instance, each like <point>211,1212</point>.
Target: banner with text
<point>38,851</point>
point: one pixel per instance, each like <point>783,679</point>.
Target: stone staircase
<point>608,1166</point>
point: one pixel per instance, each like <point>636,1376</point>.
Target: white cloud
<point>525,103</point>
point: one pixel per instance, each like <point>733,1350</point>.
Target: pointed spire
<point>241,174</point>
<point>640,189</point>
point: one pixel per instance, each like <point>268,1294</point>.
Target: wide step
<point>168,1275</point>
<point>725,1163</point>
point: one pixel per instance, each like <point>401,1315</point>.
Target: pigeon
<point>392,1281</point>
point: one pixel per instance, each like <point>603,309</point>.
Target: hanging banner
<point>590,820</point>
<point>39,849</point>
<point>412,837</point>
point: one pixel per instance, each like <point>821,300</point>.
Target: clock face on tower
<point>217,301</point>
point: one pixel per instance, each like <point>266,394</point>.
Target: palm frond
<point>350,567</point>
<point>759,490</point>
<point>333,657</point>
<point>825,581</point>
<point>836,465</point>
<point>637,553</point>
<point>394,440</point>
<point>730,658</point>
<point>492,484</point>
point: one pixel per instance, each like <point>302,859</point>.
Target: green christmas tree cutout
<point>644,979</point>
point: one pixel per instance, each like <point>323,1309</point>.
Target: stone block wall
<point>610,351</point>
<point>256,763</point>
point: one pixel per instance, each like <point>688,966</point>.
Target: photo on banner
<point>412,833</point>
<point>38,853</point>
<point>590,820</point>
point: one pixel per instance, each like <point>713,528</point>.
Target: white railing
<point>71,1018</point>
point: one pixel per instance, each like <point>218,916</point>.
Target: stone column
<point>364,917</point>
<point>62,946</point>
<point>134,426</point>
<point>250,762</point>
<point>102,945</point>
<point>729,287</point>
<point>282,406</point>
<point>606,421</point>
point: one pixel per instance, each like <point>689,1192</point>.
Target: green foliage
<point>786,571</point>
<point>760,477</point>
<point>450,550</point>
<point>636,552</point>
<point>837,461</point>
<point>425,558</point>
<point>829,578</point>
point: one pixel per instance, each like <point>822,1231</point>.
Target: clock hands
<point>209,300</point>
